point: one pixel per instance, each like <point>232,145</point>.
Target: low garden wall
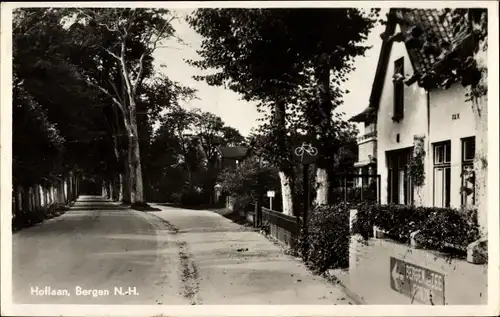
<point>381,271</point>
<point>389,272</point>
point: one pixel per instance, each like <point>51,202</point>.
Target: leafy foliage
<point>185,158</point>
<point>285,67</point>
<point>416,164</point>
<point>37,146</point>
<point>249,181</point>
<point>440,228</point>
<point>58,52</point>
<point>327,242</point>
<point>456,59</point>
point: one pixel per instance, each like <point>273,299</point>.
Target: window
<point>398,89</point>
<point>468,182</point>
<point>400,189</point>
<point>442,174</point>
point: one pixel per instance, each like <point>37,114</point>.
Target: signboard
<point>305,154</point>
<point>270,193</point>
<point>418,283</point>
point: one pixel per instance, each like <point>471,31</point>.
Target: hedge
<point>439,228</point>
<point>327,242</point>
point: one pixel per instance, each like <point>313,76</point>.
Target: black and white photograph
<point>254,158</point>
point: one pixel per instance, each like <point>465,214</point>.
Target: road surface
<point>102,253</point>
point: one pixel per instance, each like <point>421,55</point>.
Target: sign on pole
<point>418,283</point>
<point>270,194</point>
<point>305,154</point>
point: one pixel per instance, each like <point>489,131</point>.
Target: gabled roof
<point>425,25</point>
<point>234,152</point>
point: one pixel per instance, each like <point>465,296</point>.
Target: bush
<point>249,181</point>
<point>328,238</point>
<point>191,197</point>
<point>439,228</point>
<point>449,228</point>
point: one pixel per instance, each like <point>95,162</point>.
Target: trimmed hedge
<point>327,242</point>
<point>440,228</point>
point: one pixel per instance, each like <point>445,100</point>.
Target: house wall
<point>443,105</point>
<point>413,123</point>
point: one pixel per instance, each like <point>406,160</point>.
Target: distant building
<point>405,111</point>
<point>231,156</point>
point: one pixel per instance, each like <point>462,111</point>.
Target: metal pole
<point>378,189</point>
<point>345,189</point>
<point>362,187</point>
<point>306,197</point>
<point>271,203</point>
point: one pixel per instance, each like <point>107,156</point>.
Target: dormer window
<point>398,111</point>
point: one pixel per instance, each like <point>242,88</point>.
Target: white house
<point>407,111</point>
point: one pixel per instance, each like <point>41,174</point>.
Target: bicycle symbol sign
<point>306,153</point>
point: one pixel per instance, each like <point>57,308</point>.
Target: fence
<point>283,228</point>
<point>354,188</point>
<point>32,204</point>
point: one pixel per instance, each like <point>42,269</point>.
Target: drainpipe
<point>430,186</point>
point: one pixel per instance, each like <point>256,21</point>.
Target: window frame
<point>445,165</point>
<point>393,170</point>
<point>398,90</point>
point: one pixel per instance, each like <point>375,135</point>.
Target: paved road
<point>172,256</point>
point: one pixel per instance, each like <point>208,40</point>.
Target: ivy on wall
<point>416,165</point>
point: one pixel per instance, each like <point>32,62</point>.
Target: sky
<point>235,112</point>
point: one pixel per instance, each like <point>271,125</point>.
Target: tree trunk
<point>285,169</point>
<point>137,194</point>
<point>480,111</point>
<point>31,198</point>
<point>286,193</point>
<point>125,181</point>
<point>25,199</point>
<point>322,186</point>
<point>325,108</point>
<point>481,162</point>
<point>39,201</point>
<point>121,187</point>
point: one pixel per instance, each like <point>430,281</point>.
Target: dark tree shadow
<point>143,207</point>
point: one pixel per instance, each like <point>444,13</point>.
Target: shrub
<point>448,228</point>
<point>440,228</point>
<point>249,181</point>
<point>327,242</point>
<point>193,197</point>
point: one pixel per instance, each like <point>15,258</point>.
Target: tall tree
<point>249,50</point>
<point>268,57</point>
<point>43,72</point>
<point>327,41</point>
<point>124,40</point>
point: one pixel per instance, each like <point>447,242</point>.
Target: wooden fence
<point>283,228</point>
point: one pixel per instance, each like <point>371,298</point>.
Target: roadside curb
<point>331,278</point>
<point>335,280</point>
